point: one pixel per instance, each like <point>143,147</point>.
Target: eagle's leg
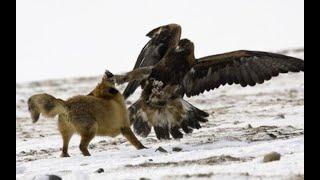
<point>162,132</point>
<point>135,75</point>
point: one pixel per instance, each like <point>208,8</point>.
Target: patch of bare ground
<point>214,160</point>
<point>249,134</point>
<point>212,175</point>
<point>263,133</point>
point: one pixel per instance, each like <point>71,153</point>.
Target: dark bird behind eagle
<point>167,70</point>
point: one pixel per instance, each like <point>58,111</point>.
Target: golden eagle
<point>167,70</point>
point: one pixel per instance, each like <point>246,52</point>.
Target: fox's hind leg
<point>87,127</point>
<point>85,140</point>
<point>87,130</point>
<point>66,131</point>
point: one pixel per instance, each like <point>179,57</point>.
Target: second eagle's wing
<point>163,39</point>
<point>150,55</point>
<point>238,67</point>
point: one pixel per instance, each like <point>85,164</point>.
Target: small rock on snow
<point>143,178</point>
<point>47,177</point>
<point>176,149</point>
<point>161,149</point>
<point>273,156</point>
<point>280,116</point>
<point>100,170</point>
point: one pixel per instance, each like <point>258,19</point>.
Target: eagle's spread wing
<point>239,67</point>
<point>150,55</point>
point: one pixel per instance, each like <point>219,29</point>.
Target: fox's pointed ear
<point>108,74</point>
<point>155,31</point>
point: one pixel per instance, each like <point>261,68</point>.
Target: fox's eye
<point>113,91</point>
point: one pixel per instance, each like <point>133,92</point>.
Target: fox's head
<point>106,88</point>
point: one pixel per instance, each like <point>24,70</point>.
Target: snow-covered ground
<point>244,125</point>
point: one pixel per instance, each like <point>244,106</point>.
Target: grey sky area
<point>69,38</point>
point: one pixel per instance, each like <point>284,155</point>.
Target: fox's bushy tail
<point>46,104</point>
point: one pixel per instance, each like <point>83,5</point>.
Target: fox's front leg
<point>127,133</point>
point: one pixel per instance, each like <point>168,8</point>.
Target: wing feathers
<point>238,67</point>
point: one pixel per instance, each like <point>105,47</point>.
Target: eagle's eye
<point>179,49</point>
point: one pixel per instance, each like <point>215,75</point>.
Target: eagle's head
<point>166,32</point>
<point>185,47</point>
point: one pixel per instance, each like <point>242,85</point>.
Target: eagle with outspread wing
<point>167,70</point>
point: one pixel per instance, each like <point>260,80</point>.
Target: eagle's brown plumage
<point>178,73</point>
<point>239,67</point>
<point>163,39</point>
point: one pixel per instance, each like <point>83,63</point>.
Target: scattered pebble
<point>114,143</point>
<point>54,177</point>
<point>22,152</point>
<point>273,156</point>
<point>44,150</point>
<point>280,116</point>
<point>245,174</point>
<point>161,149</point>
<point>143,178</point>
<point>272,135</point>
<point>236,122</point>
<point>100,170</point>
<point>176,149</point>
<point>47,177</point>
